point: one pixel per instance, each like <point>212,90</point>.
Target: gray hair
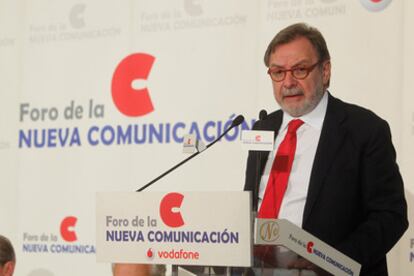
<point>295,31</point>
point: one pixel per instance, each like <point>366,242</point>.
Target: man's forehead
<point>297,51</point>
<point>289,60</point>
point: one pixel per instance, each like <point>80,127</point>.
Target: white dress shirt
<point>293,203</point>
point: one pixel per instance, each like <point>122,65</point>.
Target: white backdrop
<point>207,67</point>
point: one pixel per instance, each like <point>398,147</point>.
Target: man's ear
<point>8,268</point>
<point>326,73</point>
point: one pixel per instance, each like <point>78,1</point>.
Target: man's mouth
<point>293,96</point>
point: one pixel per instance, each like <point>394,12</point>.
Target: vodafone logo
<point>67,229</point>
<point>150,253</point>
<point>375,5</point>
<point>170,210</point>
<point>130,100</point>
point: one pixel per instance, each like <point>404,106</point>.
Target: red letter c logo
<point>168,216</point>
<point>309,247</point>
<point>66,229</point>
<point>129,101</point>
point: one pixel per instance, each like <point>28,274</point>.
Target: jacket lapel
<point>331,139</point>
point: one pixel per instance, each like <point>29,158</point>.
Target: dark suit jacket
<point>355,198</point>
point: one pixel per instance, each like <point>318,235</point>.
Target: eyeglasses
<point>299,73</point>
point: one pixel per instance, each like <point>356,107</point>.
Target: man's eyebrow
<point>299,63</point>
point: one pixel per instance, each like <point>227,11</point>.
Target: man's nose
<point>289,80</point>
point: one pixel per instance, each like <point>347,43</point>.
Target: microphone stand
<point>237,121</point>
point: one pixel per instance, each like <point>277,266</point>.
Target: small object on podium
<point>258,140</point>
<point>192,145</point>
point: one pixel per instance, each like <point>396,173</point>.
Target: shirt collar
<point>314,118</point>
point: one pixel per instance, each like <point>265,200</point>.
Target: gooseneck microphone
<point>237,121</point>
<point>262,117</point>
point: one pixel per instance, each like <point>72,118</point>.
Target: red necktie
<point>279,175</point>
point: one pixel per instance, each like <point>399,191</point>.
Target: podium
<point>208,233</point>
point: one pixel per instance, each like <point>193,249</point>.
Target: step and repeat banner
<point>69,127</point>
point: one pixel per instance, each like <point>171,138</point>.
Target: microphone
<point>237,121</point>
<point>262,117</point>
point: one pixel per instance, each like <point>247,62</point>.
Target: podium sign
<point>284,233</point>
<point>187,228</point>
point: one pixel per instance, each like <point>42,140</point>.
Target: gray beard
<point>307,106</point>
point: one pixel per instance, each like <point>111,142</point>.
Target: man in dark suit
<point>344,185</point>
